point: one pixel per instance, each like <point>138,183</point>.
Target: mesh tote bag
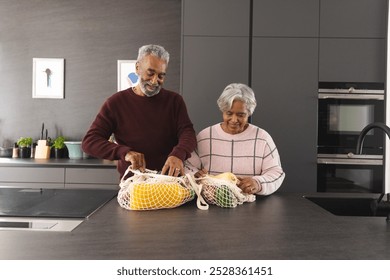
<point>221,190</point>
<point>150,191</point>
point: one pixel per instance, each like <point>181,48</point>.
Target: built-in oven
<point>350,173</point>
<point>344,109</point>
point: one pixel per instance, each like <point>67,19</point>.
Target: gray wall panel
<point>91,36</point>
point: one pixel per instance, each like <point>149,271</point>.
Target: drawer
<point>32,175</point>
<point>97,176</point>
<point>23,185</point>
<point>92,186</point>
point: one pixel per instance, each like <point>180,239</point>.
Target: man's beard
<point>149,93</point>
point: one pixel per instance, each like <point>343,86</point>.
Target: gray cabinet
<point>216,17</point>
<point>352,60</point>
<point>352,40</point>
<point>209,65</point>
<point>291,46</point>
<point>353,18</point>
<point>91,174</point>
<point>281,18</point>
<point>32,177</point>
<point>215,43</point>
<point>284,78</point>
<point>91,178</point>
<point>279,59</point>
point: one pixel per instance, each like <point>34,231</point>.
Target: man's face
<point>151,71</point>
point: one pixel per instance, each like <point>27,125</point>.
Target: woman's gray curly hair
<point>237,91</point>
<point>155,50</point>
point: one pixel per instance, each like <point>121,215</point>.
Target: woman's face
<point>235,120</point>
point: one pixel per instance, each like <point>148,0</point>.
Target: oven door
<point>341,119</point>
<point>350,173</point>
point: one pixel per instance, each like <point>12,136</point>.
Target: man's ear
<point>137,68</point>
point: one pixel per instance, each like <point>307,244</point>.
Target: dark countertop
<point>52,162</point>
<point>281,226</point>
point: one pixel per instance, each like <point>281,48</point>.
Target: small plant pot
<point>74,149</point>
<point>25,152</point>
<point>59,153</point>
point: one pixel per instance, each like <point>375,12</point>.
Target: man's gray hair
<point>234,92</point>
<point>155,50</point>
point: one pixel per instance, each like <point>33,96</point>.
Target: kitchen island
<point>281,226</point>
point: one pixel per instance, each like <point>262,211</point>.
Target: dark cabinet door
<point>281,18</point>
<point>216,17</point>
<point>353,18</point>
<point>209,64</point>
<point>215,53</point>
<point>284,78</point>
<point>352,60</point>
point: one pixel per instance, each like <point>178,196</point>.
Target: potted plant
<point>59,147</point>
<point>24,144</point>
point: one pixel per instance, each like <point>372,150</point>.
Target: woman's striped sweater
<point>251,153</point>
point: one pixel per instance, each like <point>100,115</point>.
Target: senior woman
<point>237,146</point>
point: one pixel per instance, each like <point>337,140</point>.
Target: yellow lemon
<point>146,196</point>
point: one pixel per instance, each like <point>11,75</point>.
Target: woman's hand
<point>200,173</point>
<point>248,185</point>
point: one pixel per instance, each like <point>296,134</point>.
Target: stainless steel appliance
<point>344,109</point>
<point>349,173</point>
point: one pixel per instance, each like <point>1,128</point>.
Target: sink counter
<point>281,226</point>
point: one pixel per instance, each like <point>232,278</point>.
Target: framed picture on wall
<point>48,78</point>
<point>127,76</point>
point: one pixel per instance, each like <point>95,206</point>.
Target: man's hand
<point>174,166</point>
<point>137,160</point>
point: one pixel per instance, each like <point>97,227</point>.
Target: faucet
<point>365,130</point>
<point>378,204</point>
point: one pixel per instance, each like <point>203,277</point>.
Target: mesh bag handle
<point>148,174</point>
<point>200,201</point>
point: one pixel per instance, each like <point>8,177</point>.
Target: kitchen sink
<point>349,206</point>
